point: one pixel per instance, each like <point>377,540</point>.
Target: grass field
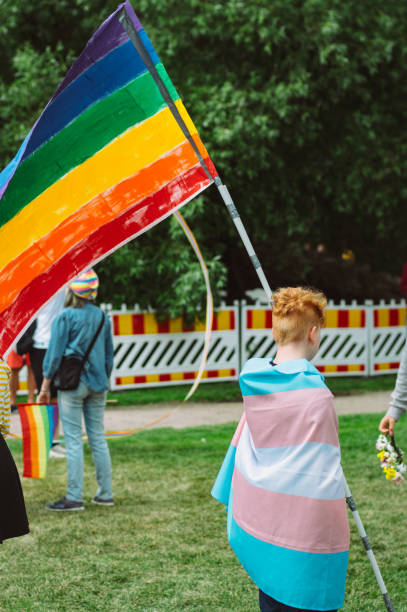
<point>163,546</point>
<point>230,392</point>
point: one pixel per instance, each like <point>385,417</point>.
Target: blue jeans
<point>268,604</point>
<point>92,404</point>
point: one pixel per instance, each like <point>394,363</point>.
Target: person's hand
<point>44,397</point>
<point>386,425</point>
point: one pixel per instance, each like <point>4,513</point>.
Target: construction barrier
<point>358,340</point>
<point>150,352</point>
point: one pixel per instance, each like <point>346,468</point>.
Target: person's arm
<point>398,402</point>
<point>44,395</point>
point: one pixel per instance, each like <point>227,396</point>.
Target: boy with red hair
<point>281,479</point>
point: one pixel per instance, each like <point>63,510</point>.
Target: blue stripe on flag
<point>223,482</point>
<point>113,71</point>
<point>311,581</point>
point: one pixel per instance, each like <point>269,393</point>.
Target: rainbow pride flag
<point>283,486</point>
<point>106,160</point>
<point>38,423</point>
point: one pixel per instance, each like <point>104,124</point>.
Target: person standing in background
<point>16,362</point>
<point>72,333</point>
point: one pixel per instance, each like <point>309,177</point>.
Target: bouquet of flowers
<point>391,459</point>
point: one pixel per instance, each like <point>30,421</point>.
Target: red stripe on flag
<point>269,319</point>
<point>115,325</point>
<point>342,368</point>
<point>249,319</point>
<point>95,247</point>
<point>165,377</point>
<point>232,320</point>
<point>25,427</point>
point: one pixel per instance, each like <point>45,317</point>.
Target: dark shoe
<point>102,502</point>
<point>13,408</point>
<point>64,504</point>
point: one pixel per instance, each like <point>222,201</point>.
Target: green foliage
<point>301,106</point>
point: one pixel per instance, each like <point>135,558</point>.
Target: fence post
<point>369,338</point>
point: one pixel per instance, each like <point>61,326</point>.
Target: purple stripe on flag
<point>110,35</point>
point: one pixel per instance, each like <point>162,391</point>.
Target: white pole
<point>352,506</point>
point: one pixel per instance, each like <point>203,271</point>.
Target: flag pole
<point>363,536</point>
<point>132,33</point>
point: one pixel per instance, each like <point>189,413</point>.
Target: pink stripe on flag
<point>299,523</point>
<point>239,429</point>
<point>275,419</point>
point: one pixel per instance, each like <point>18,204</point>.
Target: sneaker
<point>59,448</point>
<point>102,502</point>
<point>64,504</point>
<point>55,455</point>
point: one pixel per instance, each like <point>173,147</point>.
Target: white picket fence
<point>359,340</point>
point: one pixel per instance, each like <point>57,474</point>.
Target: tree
<point>301,104</point>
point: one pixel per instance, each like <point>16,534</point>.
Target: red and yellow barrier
<point>261,318</point>
<point>175,376</point>
<point>329,369</point>
<point>134,324</point>
<point>389,317</point>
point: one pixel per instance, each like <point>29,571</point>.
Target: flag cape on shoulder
<point>282,483</point>
<point>105,161</point>
<point>38,424</point>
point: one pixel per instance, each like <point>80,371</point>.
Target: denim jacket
<point>71,334</point>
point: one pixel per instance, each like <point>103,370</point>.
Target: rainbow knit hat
<point>86,285</point>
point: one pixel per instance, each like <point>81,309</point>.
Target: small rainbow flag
<point>113,153</point>
<point>38,424</point>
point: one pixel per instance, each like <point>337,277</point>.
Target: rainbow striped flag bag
<point>38,424</point>
<point>283,485</point>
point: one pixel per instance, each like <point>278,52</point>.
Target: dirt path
<point>195,414</point>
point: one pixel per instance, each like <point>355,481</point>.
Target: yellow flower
<point>381,455</point>
<point>390,473</point>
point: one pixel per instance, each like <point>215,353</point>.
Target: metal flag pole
<point>132,33</point>
<point>352,506</point>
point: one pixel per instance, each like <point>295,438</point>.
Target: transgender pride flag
<point>113,153</point>
<point>283,486</point>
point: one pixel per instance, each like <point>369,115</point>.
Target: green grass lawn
<point>230,392</point>
<point>163,546</point>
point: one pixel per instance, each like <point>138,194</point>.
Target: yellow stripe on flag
<point>123,157</point>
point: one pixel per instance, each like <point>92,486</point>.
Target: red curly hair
<point>295,311</point>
